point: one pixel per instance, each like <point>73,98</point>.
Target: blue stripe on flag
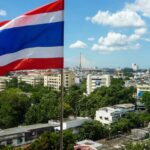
<point>15,39</point>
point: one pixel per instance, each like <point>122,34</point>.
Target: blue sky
<point>107,34</point>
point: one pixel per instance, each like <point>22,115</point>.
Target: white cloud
<point>140,6</point>
<point>140,31</point>
<point>116,42</point>
<point>3,12</point>
<point>78,44</point>
<point>134,37</point>
<point>120,42</point>
<point>91,39</point>
<point>146,39</point>
<point>129,16</point>
<point>124,18</point>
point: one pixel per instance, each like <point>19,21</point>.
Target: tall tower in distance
<point>80,64</point>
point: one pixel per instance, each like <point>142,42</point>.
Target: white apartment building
<point>32,80</point>
<point>54,80</point>
<point>3,81</point>
<point>108,115</point>
<point>96,81</point>
<point>142,88</point>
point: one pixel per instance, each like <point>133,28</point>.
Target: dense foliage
<point>105,96</point>
<point>13,106</point>
<point>46,107</point>
<point>21,103</point>
<point>93,130</point>
<point>130,121</point>
<point>146,100</point>
<point>49,141</point>
<point>137,146</point>
<point>29,105</point>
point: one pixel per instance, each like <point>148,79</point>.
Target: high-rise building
<point>135,67</point>
<point>54,80</point>
<point>96,81</point>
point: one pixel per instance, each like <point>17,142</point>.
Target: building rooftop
<point>23,129</point>
<point>73,122</point>
<point>90,143</point>
<point>109,109</point>
<point>129,105</point>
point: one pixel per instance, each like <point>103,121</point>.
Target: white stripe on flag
<point>27,20</point>
<point>36,52</point>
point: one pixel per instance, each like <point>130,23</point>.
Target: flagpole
<point>61,109</point>
<point>62,99</point>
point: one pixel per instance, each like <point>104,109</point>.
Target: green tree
<point>137,146</point>
<point>146,100</point>
<point>50,141</point>
<point>67,110</point>
<point>13,107</point>
<point>123,125</point>
<point>129,121</point>
<point>135,121</point>
<point>6,148</point>
<point>38,92</point>
<point>119,82</point>
<point>72,97</point>
<point>25,87</point>
<point>83,86</point>
<point>13,83</point>
<point>69,140</point>
<point>47,108</point>
<point>104,96</point>
<point>93,130</point>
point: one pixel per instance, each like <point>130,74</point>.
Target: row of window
<point>105,118</point>
<point>11,141</point>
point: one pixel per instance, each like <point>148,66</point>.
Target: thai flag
<point>33,40</point>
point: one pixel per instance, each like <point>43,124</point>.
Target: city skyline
<point>107,34</point>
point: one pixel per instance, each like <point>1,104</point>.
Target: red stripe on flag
<point>55,6</point>
<point>33,63</point>
<point>3,23</point>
